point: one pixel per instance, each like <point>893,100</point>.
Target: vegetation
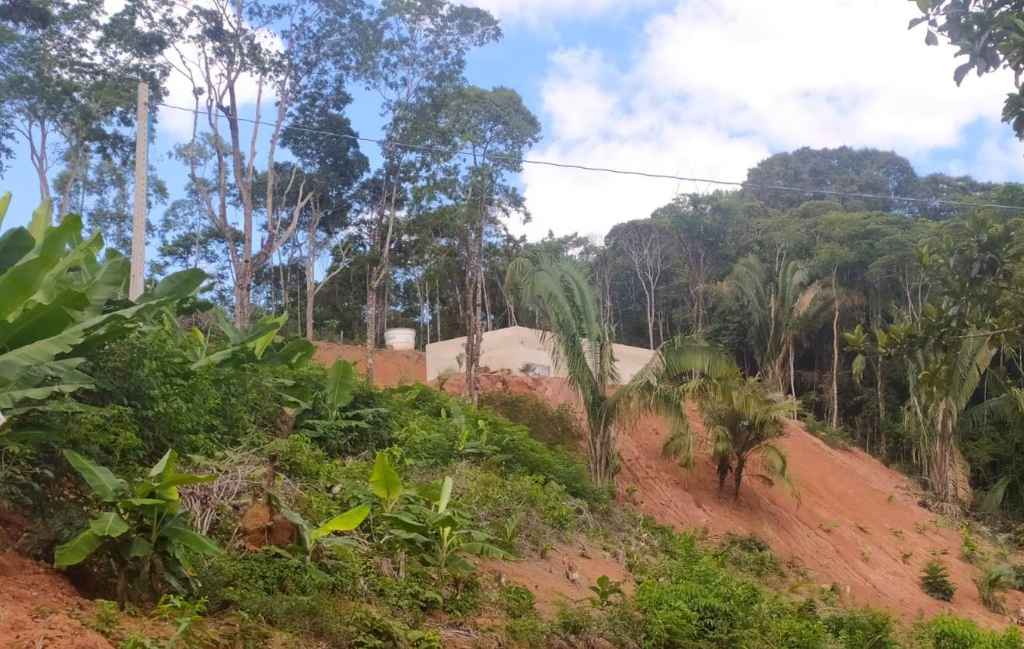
<point>935,581</point>
<point>202,468</point>
<point>263,429</point>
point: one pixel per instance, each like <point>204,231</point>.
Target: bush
<point>195,411</point>
<point>749,554</point>
<point>947,632</point>
<point>992,583</point>
<point>517,601</point>
<point>865,629</point>
<point>434,429</point>
<point>246,580</point>
<point>935,581</point>
<point>553,425</point>
<point>697,602</point>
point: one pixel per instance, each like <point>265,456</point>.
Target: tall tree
<point>478,138</point>
<point>410,50</point>
<point>67,87</point>
<point>333,169</point>
<point>221,47</point>
<point>643,243</point>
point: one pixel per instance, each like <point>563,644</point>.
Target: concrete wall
<point>514,347</point>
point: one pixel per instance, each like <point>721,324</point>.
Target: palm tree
<point>740,415</point>
<point>942,382</point>
<point>780,305</point>
<point>559,291</point>
<point>743,420</point>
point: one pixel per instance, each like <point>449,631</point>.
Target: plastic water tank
<point>400,338</point>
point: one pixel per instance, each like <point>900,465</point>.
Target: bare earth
<point>390,367</point>
<point>853,521</point>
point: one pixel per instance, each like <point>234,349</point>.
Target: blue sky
<point>702,88</point>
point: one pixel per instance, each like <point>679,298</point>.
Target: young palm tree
<point>739,413</point>
<point>559,291</point>
<point>743,420</point>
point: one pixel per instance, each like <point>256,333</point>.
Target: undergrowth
<point>440,481</point>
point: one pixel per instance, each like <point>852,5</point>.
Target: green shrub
<point>992,583</point>
<point>935,581</point>
<point>434,429</point>
<point>749,554</point>
<point>517,601</point>
<point>947,632</point>
<point>245,580</point>
<point>863,629</point>
<point>195,411</point>
<point>553,425</point>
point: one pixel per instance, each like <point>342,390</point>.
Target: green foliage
<point>862,629</point>
<point>604,590</point>
<point>196,410</point>
<point>142,527</point>
<point>437,534</point>
<point>433,428</point>
<point>947,632</point>
<point>517,601</point>
<point>553,425</point>
<point>314,537</point>
<point>992,583</point>
<point>749,554</point>
<point>935,581</point>
<point>54,306</point>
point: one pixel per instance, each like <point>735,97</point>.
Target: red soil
<point>39,608</point>
<point>564,576</point>
<point>390,367</point>
<point>853,522</point>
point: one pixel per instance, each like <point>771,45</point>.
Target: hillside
<point>852,521</point>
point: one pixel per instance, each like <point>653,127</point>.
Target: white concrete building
<point>522,351</point>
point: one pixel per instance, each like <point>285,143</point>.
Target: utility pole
<point>136,283</point>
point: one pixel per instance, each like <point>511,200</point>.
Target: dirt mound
<point>39,608</point>
<point>390,367</point>
<point>853,521</point>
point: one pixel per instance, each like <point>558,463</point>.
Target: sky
<point>701,88</point>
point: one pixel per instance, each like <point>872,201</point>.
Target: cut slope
<point>39,608</point>
<point>854,522</point>
<point>390,367</point>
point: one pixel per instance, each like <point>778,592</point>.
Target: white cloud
<point>178,123</point>
<point>716,85</point>
<point>533,11</point>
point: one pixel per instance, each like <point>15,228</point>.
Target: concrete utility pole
<point>136,284</point>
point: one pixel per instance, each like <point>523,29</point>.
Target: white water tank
<point>400,339</point>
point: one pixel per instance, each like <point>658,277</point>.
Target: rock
<point>262,526</point>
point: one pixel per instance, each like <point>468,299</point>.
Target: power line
<point>622,172</point>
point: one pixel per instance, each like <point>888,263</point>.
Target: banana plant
<point>57,301</point>
<point>141,527</point>
<point>312,538</point>
<point>427,527</point>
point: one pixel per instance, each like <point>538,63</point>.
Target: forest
<point>201,481</point>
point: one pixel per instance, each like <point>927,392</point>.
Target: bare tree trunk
<point>741,463</point>
<point>371,329</point>
<point>835,351</point>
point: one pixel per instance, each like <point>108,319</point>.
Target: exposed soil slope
<point>39,608</point>
<point>853,522</point>
<point>564,575</point>
<point>390,367</point>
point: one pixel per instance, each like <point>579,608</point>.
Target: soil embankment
<point>390,367</point>
<point>852,521</point>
